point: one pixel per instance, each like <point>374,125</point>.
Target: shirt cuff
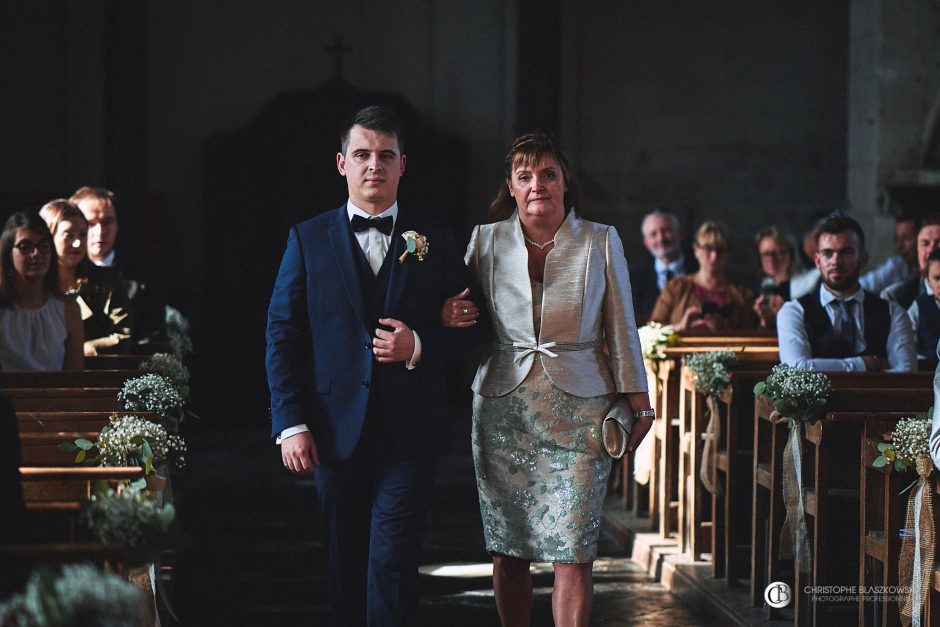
<point>286,433</point>
<point>415,356</point>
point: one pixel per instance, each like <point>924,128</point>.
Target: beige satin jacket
<point>588,342</point>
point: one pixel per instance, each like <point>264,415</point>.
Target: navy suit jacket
<point>319,341</point>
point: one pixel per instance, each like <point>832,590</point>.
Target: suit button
<point>365,384</point>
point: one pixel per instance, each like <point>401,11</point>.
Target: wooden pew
<point>882,511</point>
<point>830,473</point>
<point>115,362</point>
<point>667,425</point>
<point>42,449</point>
<point>71,399</point>
<point>60,421</point>
<point>67,379</point>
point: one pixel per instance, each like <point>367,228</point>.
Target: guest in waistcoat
<point>355,357</point>
<point>906,292</point>
<point>925,315</point>
<point>840,326</point>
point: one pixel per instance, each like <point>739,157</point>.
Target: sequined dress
<point>541,468</point>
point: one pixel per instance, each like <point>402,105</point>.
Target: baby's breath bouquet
<point>795,393</point>
<point>129,516</point>
<point>171,368</point>
<point>131,441</point>
<point>655,338</point>
<point>710,370</point>
<point>79,595</point>
<point>909,441</point>
<point>151,392</point>
<point>177,332</point>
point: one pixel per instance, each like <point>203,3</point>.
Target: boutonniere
<point>415,244</point>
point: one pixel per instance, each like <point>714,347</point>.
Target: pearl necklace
<point>537,245</point>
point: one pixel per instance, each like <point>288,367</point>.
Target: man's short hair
<point>930,219</point>
<point>375,118</point>
<point>933,256</point>
<point>841,223</point>
<point>664,212</point>
<point>98,193</point>
<point>908,217</point>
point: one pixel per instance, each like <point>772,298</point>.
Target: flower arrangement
<point>79,595</point>
<point>710,370</point>
<point>131,441</point>
<point>129,516</point>
<point>795,393</point>
<point>177,331</point>
<point>655,338</point>
<point>909,441</point>
<point>169,367</point>
<point>151,392</point>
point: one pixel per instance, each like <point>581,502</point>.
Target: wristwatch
<point>646,413</point>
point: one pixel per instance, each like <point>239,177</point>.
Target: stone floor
<point>249,551</point>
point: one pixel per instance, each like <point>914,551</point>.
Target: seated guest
<point>806,281</point>
<point>925,314</point>
<point>928,240</point>
<point>706,301</point>
<point>99,292</point>
<point>900,266</point>
<point>776,255</point>
<point>662,236</point>
<point>40,329</point>
<point>840,326</point>
<point>147,306</point>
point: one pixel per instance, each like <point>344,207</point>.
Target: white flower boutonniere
<point>416,244</point>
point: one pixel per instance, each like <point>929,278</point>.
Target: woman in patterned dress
<point>565,354</point>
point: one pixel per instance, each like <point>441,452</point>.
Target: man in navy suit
<point>355,351</point>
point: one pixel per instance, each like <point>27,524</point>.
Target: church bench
<point>115,362</point>
<point>58,421</point>
<point>67,379</point>
<point>42,449</point>
<point>666,427</point>
<point>65,399</point>
<point>882,509</point>
<point>830,473</point>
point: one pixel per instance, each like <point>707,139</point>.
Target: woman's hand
<point>638,401</point>
<point>766,308</point>
<point>688,317</point>
<point>458,312</point>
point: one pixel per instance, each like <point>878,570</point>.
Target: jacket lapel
<point>341,241</point>
<point>397,272</point>
<point>565,273</point>
<point>511,286</point>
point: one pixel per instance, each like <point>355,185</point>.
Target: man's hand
<point>872,363</point>
<point>393,346</point>
<point>299,453</point>
<point>459,312</point>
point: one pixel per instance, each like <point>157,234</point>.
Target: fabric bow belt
<point>529,348</point>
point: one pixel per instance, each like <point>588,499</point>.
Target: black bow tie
<point>383,225</point>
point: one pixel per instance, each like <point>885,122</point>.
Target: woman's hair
<point>783,238</point>
<point>528,150</point>
<point>712,234</point>
<point>24,220</point>
<point>60,210</point>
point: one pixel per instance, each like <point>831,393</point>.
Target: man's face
<point>660,238</point>
<point>928,240</point>
<point>102,227</point>
<point>905,240</point>
<point>933,278</point>
<point>840,260</point>
<point>373,167</point>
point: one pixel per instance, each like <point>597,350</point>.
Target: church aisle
<point>250,553</point>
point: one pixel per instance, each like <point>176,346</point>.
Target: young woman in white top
<point>40,329</point>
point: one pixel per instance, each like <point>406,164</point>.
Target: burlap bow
<point>711,436</point>
<point>915,566</point>
<point>794,541</point>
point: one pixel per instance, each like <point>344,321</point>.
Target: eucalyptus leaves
<point>131,441</point>
<point>710,370</point>
<point>795,393</point>
<point>909,441</point>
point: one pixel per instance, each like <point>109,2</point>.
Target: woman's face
<point>711,258</point>
<point>539,189</point>
<point>31,254</point>
<point>774,259</point>
<point>70,238</point>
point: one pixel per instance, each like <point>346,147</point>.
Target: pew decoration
<point>170,367</point>
<point>655,338</point>
<point>908,448</point>
<point>796,395</point>
<point>154,393</point>
<point>131,441</point>
<point>710,375</point>
<point>177,332</point>
<point>79,594</point>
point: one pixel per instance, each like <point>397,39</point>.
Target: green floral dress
<point>541,468</point>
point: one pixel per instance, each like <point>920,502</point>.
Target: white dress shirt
<point>676,266</point>
<point>795,348</point>
<point>374,245</point>
<point>893,270</point>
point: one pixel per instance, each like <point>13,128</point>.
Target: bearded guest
<point>841,327</point>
